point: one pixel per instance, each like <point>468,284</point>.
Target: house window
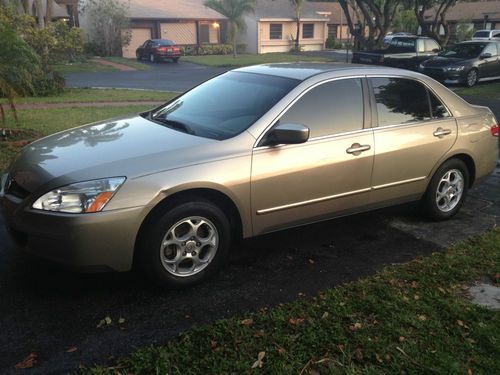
<point>204,33</point>
<point>276,31</point>
<point>332,31</point>
<point>308,30</point>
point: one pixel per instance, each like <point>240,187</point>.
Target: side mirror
<point>287,134</point>
<point>485,56</point>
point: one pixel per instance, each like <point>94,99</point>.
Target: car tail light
<point>494,130</point>
<point>162,49</point>
<point>176,49</point>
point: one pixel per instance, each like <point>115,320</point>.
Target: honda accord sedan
<point>254,150</point>
<point>467,63</point>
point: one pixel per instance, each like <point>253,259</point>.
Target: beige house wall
<point>179,33</point>
<point>266,44</point>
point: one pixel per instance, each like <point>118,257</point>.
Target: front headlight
<point>81,197</point>
<point>458,68</point>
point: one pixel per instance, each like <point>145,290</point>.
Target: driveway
<point>55,313</point>
<point>165,76</point>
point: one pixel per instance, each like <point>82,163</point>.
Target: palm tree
<point>234,10</point>
<point>18,64</point>
<point>297,7</point>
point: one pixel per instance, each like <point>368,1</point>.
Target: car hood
<point>440,61</point>
<point>129,147</point>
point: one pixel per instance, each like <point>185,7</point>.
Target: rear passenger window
<point>438,109</point>
<point>400,101</point>
<point>330,108</point>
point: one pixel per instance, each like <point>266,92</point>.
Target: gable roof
<point>172,9</point>
<point>282,10</point>
<point>474,11</point>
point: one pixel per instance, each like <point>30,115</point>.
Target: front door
<point>329,174</point>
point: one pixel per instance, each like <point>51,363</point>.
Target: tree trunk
<point>297,35</point>
<point>39,14</point>
<point>49,13</point>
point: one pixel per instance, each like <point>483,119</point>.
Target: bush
<point>49,84</point>
<point>207,49</point>
<point>330,42</point>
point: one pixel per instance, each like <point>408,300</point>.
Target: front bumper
<point>100,241</point>
<point>446,76</point>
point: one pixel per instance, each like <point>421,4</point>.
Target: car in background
<point>156,50</point>
<point>403,52</point>
<point>486,35</point>
<point>251,151</point>
<point>465,63</point>
<point>388,37</point>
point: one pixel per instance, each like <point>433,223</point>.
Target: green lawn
<point>98,95</point>
<point>409,319</point>
<point>249,59</point>
<point>79,67</point>
<point>129,62</point>
<point>490,90</point>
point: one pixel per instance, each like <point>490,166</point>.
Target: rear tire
<point>447,190</point>
<point>471,78</point>
<point>185,245</point>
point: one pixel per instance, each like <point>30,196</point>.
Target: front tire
<point>185,245</point>
<point>471,78</point>
<point>447,190</point>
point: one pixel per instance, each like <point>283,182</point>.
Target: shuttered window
<point>276,31</point>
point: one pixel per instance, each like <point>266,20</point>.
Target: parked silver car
<point>251,151</point>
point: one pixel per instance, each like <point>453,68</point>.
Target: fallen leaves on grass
<point>72,349</point>
<point>259,362</point>
<point>355,326</point>
<point>296,321</point>
<point>246,322</point>
<point>105,322</point>
<point>27,362</point>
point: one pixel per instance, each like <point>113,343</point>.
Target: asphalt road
<point>165,76</point>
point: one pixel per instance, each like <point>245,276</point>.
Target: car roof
<point>303,71</point>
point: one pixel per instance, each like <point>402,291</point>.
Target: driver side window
<point>330,108</point>
<point>492,49</point>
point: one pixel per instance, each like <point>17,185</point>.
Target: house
<point>476,15</point>
<point>337,26</point>
<point>186,22</point>
<point>272,27</point>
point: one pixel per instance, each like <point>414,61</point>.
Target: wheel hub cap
<point>189,246</point>
<point>450,190</point>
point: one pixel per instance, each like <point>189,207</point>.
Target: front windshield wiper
<point>174,124</point>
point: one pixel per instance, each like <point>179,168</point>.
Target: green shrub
<point>330,42</point>
<point>207,49</point>
<point>49,84</point>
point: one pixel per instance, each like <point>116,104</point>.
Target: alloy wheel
<point>450,190</point>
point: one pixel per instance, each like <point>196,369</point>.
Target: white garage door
<point>139,36</point>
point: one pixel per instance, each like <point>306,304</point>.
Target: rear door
<point>414,132</point>
<point>330,173</point>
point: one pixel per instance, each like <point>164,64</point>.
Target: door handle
<point>357,149</point>
<point>440,132</point>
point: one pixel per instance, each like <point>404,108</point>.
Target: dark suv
<point>466,63</point>
<point>158,49</point>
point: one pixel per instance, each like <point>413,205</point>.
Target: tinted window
<point>308,30</point>
<point>482,34</point>
<point>491,48</point>
<point>431,45</point>
<point>438,109</point>
<point>275,30</point>
<point>400,101</point>
<point>165,42</point>
<point>226,105</point>
<point>403,42</point>
<point>333,107</point>
<point>464,50</point>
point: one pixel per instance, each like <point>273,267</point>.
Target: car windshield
<point>482,34</point>
<point>165,42</point>
<point>464,51</point>
<point>224,106</point>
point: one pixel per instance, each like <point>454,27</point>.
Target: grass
<point>249,59</point>
<point>409,319</point>
<point>98,95</point>
<point>486,90</point>
<point>129,62</point>
<point>82,67</point>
